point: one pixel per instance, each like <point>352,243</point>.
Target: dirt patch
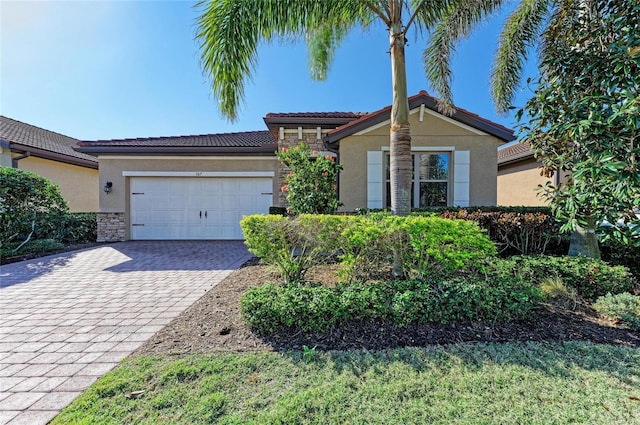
<point>214,324</point>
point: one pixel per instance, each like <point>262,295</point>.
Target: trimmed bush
<point>310,308</point>
<point>270,308</point>
<point>590,277</point>
<point>624,308</point>
<point>364,245</point>
<point>438,245</point>
<point>26,200</point>
<point>514,230</point>
<point>292,245</point>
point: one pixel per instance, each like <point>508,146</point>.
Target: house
<point>51,155</point>
<point>519,175</point>
<point>199,187</point>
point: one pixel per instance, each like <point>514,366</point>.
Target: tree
<point>230,31</point>
<point>584,120</point>
<point>542,23</point>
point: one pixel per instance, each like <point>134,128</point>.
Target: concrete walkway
<point>66,320</point>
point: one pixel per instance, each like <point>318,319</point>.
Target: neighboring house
<point>51,155</point>
<point>199,187</point>
<point>519,175</point>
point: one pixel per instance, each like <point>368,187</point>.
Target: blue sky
<point>119,69</point>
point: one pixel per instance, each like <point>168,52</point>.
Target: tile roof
<point>247,142</point>
<point>514,152</point>
<point>43,141</point>
<point>461,115</point>
<point>241,139</point>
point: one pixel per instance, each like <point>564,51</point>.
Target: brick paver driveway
<point>67,319</point>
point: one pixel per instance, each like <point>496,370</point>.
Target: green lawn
<point>464,384</point>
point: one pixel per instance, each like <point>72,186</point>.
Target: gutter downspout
<point>14,161</point>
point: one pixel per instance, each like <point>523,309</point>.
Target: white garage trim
<point>198,173</point>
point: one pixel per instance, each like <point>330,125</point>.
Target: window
<point>430,180</point>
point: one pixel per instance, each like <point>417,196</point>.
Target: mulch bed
<point>213,324</point>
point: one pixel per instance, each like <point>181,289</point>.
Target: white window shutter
<point>374,179</point>
<point>461,162</point>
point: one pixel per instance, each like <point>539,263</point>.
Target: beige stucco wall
<point>517,183</point>
<point>432,131</point>
<point>78,185</point>
<point>112,167</point>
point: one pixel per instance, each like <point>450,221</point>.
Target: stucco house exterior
<point>520,174</point>
<point>199,187</point>
<point>51,155</point>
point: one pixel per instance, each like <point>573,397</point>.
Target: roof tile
<point>17,132</point>
<point>514,152</point>
<point>247,139</point>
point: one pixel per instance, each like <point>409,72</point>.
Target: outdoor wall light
<point>107,187</point>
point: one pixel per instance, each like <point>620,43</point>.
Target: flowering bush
<point>311,185</point>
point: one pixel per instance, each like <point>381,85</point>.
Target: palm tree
<point>229,32</point>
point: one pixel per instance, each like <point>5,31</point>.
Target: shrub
<point>25,199</point>
<point>515,230</point>
<point>313,307</point>
<point>590,277</point>
<point>426,245</point>
<point>292,245</point>
<point>487,298</point>
<point>619,254</point>
<point>270,308</point>
<point>624,308</point>
<point>436,244</point>
<point>368,246</point>
<point>31,247</point>
<point>69,227</point>
<point>312,181</point>
<point>364,245</point>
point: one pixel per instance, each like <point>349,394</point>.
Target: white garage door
<point>195,208</point>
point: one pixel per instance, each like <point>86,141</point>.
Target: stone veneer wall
<point>289,141</point>
<point>111,227</point>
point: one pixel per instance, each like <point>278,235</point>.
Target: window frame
<point>415,183</point>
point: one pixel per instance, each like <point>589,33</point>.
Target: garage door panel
<point>171,207</point>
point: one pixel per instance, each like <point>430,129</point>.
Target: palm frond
<point>229,32</point>
<point>455,25</point>
<point>521,30</point>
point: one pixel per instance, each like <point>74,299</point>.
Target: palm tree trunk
<point>400,157</point>
<point>400,129</point>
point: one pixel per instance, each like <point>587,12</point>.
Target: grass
<point>462,384</point>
